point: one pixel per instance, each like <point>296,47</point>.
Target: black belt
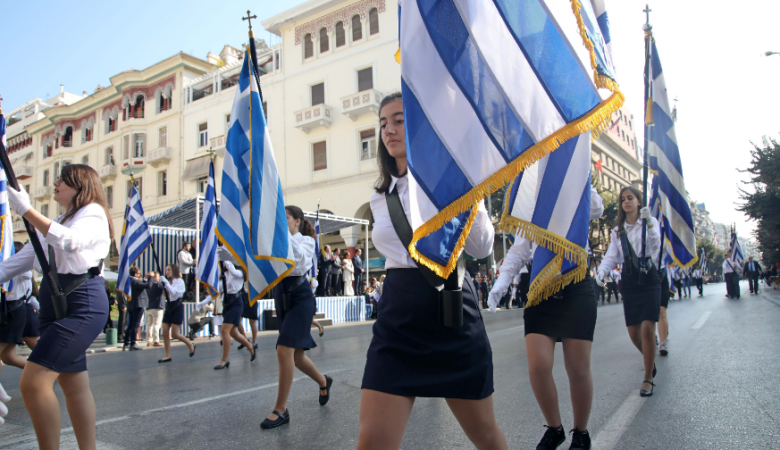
<point>289,284</point>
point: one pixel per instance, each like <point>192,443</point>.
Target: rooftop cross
<point>647,11</point>
<point>249,18</point>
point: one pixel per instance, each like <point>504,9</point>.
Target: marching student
<point>251,313</point>
<point>14,329</point>
<point>413,354</point>
<point>569,317</point>
<point>78,242</point>
<point>295,308</point>
<point>663,322</point>
<point>612,285</point>
<point>31,334</point>
<point>698,278</point>
<point>731,276</point>
<point>136,305</point>
<point>174,310</point>
<point>641,302</point>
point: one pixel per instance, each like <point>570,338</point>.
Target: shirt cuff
<point>55,234</point>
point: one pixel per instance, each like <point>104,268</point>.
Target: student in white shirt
<point>14,329</point>
<point>174,311</point>
<point>80,240</point>
<point>641,302</point>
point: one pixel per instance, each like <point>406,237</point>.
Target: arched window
<point>341,38</point>
<point>357,28</point>
<point>67,137</point>
<point>108,159</point>
<point>138,109</point>
<point>373,22</point>
<point>324,40</point>
<point>308,46</point>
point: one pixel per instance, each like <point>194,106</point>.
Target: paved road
<point>717,389</point>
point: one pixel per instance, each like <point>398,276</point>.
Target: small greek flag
<point>6,224</point>
<point>703,262</point>
<point>135,238</point>
<point>735,250</point>
<point>208,269</point>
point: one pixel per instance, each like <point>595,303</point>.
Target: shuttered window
<point>341,38</point>
<point>373,22</point>
<point>318,94</point>
<point>357,28</point>
<point>365,79</point>
<point>308,46</point>
<point>324,40</point>
<point>319,155</point>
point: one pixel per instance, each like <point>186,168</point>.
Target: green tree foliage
<point>714,255</point>
<point>763,204</point>
<point>600,228</point>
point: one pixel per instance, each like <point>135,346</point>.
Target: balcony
<point>313,117</point>
<point>159,157</point>
<point>42,193</point>
<point>219,142</point>
<point>355,105</point>
<point>107,173</point>
<point>23,172</point>
<point>133,165</point>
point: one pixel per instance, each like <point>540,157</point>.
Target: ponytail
<point>306,228</point>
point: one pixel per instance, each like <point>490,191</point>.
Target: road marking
<point>700,323</point>
<point>608,437</point>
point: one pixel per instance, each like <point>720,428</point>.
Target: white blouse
<point>614,255</point>
<point>478,244</point>
<point>233,278</point>
<point>78,245</point>
<point>175,289</point>
<point>729,266</point>
<point>303,252</point>
<point>22,286</point>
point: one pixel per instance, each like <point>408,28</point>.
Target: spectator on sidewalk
<point>154,313</point>
<point>138,302</point>
<point>336,274</point>
<point>186,263</point>
<point>121,323</point>
<point>357,264</point>
<point>325,267</point>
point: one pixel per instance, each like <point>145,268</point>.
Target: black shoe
<point>192,353</point>
<point>552,439</point>
<point>164,360</point>
<point>580,440</point>
<point>644,393</point>
<point>124,348</point>
<point>254,346</point>
<point>281,419</point>
<point>134,347</point>
<point>254,355</point>
<point>324,398</point>
<point>240,346</point>
<point>655,371</point>
<point>222,366</point>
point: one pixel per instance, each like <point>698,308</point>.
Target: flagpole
<point>253,51</point>
<point>648,29</point>
<point>154,251</point>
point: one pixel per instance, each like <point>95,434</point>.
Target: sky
<point>728,93</point>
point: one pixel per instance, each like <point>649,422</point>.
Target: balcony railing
<point>313,117</point>
<point>365,102</point>
<point>159,157</point>
<point>133,165</point>
<point>107,172</point>
<point>23,172</point>
<point>42,193</point>
<point>218,142</point>
<point>67,143</point>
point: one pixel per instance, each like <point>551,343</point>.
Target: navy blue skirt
<point>174,313</point>
<point>413,355</point>
<point>295,324</point>
<point>250,312</point>
<point>32,324</point>
<point>13,330</point>
<point>569,314</point>
<point>640,302</point>
<point>64,342</point>
<point>233,306</point>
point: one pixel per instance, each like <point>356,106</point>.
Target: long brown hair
<point>86,181</point>
<point>387,165</point>
<point>174,271</point>
<point>305,227</point>
<point>621,217</point>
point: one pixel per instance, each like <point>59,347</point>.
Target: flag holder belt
<point>290,283</point>
<point>450,290</point>
<point>59,295</point>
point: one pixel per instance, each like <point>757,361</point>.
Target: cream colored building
<point>615,154</point>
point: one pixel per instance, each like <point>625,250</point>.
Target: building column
<point>351,236</point>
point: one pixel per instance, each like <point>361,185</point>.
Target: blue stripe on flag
<point>552,180</point>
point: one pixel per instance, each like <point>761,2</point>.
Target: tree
<point>762,204</point>
<point>714,255</point>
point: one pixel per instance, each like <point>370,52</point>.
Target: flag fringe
<point>212,290</point>
<point>549,281</point>
<point>690,263</point>
<point>601,81</point>
<point>547,239</point>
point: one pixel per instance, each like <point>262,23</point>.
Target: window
<point>319,152</point>
<point>367,144</point>
<point>203,135</point>
<point>163,104</point>
<point>324,40</point>
<point>125,147</point>
<point>109,191</point>
<point>365,79</point>
<point>341,38</point>
<point>45,210</point>
<point>67,137</point>
<point>110,125</point>
<point>202,184</point>
<point>162,137</point>
<point>138,185</point>
<point>162,183</point>
<point>138,147</point>
<point>357,28</point>
<point>47,151</point>
<point>265,111</point>
<point>45,179</point>
<point>373,22</point>
<point>85,160</point>
<point>56,171</point>
<point>108,159</point>
<point>137,110</point>
<point>308,46</point>
<point>318,94</point>
<point>227,122</point>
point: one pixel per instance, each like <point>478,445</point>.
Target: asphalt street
<point>717,389</point>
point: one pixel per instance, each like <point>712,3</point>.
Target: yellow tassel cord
<point>550,281</point>
<point>602,81</point>
<point>398,56</point>
<point>545,238</point>
<point>2,236</point>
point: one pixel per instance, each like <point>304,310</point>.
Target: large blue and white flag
<point>208,269</point>
<point>252,222</point>
<point>489,89</point>
<point>666,165</point>
<point>135,238</point>
<point>6,224</point>
<point>735,250</point>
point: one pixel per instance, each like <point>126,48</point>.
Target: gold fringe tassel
<point>398,56</point>
<point>547,239</point>
<point>550,281</point>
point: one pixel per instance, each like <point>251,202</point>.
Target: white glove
<point>4,398</point>
<point>223,254</point>
<point>600,278</point>
<point>644,213</point>
<point>494,298</point>
<point>19,200</point>
<point>314,283</point>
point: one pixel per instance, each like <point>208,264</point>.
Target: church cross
<point>249,18</point>
<point>647,11</point>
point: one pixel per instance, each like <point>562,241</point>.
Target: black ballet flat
<point>644,393</point>
<point>240,346</point>
<point>254,355</point>
<point>552,439</point>
<point>254,346</point>
<point>324,398</point>
<point>580,440</point>
<point>655,371</point>
<point>193,350</point>
<point>164,360</point>
<point>280,420</point>
<point>222,366</point>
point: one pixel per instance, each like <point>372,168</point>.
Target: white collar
<point>396,180</point>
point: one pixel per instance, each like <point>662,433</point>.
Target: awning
<point>330,223</point>
<point>196,168</point>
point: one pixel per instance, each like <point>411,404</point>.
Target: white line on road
<point>608,437</point>
<point>700,323</point>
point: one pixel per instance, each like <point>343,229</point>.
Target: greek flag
<point>703,262</point>
<point>252,223</point>
<point>489,89</point>
<point>135,238</point>
<point>735,250</point>
<point>6,224</point>
<point>665,164</point>
<point>208,270</point>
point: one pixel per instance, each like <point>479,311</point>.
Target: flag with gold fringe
<point>490,88</point>
<point>6,224</point>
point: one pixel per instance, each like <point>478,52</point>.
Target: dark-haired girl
<point>641,302</point>
<point>79,239</point>
<point>412,354</point>
<point>295,314</point>
<point>174,311</point>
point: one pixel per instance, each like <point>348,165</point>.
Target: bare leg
<point>286,358</point>
<point>227,328</point>
<point>176,335</point>
<point>635,333</point>
<point>37,386</point>
<point>383,419</point>
<point>304,364</point>
<point>576,357</point>
<point>648,348</point>
<point>541,355</point>
<point>242,340</point>
<point>8,356</point>
<point>81,407</point>
<point>31,341</point>
<point>241,329</point>
<point>253,325</point>
<point>166,331</point>
<point>663,325</point>
<point>478,421</point>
